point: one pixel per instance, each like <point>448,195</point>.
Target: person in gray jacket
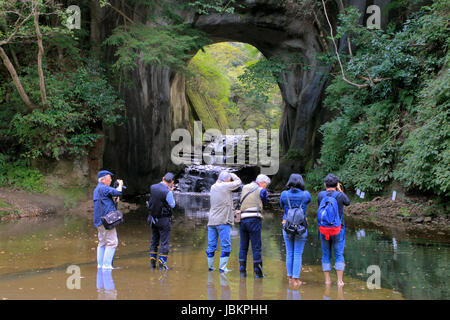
<point>221,218</point>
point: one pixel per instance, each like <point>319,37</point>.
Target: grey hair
<point>263,178</point>
<point>224,176</point>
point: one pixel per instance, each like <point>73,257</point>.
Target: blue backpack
<point>328,213</point>
<point>295,220</point>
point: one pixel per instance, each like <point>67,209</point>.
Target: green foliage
<point>212,6</point>
<point>397,128</point>
<point>18,174</point>
<point>261,75</point>
<point>162,45</point>
<point>78,103</point>
<point>216,82</point>
<point>425,154</point>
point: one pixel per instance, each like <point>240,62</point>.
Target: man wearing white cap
<point>221,218</point>
<point>253,198</point>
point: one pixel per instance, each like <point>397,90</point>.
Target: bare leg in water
<point>327,278</point>
<point>340,274</point>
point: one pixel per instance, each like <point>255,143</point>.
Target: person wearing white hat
<point>253,198</point>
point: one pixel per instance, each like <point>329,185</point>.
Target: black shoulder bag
<point>112,218</point>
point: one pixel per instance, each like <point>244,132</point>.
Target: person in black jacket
<point>160,206</point>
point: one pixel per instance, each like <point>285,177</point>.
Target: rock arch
<point>139,151</point>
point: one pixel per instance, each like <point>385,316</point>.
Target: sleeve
<point>307,197</point>
<point>281,200</point>
<point>345,199</point>
<point>264,197</point>
<point>235,183</point>
<point>110,191</point>
<point>170,200</point>
<point>319,198</point>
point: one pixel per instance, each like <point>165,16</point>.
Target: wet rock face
<point>139,151</point>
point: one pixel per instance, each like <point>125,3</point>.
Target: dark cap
<point>169,176</point>
<point>103,173</point>
<point>331,180</point>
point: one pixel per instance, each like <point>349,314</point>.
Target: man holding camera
<point>160,207</point>
<point>105,200</point>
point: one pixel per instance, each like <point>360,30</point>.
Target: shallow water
<point>35,254</point>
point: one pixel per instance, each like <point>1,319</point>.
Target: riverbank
<point>16,204</point>
<point>414,216</point>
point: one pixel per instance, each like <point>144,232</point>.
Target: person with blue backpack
<point>330,219</point>
<point>294,201</point>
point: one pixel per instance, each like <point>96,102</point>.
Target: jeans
<point>336,243</point>
<point>223,232</point>
<point>294,251</point>
<point>250,230</point>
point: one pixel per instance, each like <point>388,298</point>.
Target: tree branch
<point>40,53</point>
<point>359,86</point>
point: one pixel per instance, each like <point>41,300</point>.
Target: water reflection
<point>225,291</point>
<point>292,294</point>
<point>327,293</point>
<point>360,234</point>
<point>105,285</point>
<point>34,257</point>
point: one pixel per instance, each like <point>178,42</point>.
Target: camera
<point>116,184</point>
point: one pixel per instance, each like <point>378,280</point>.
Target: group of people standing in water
<point>253,198</point>
<point>223,215</point>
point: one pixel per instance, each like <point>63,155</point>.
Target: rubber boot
<point>162,262</point>
<point>108,258</point>
<point>257,267</point>
<point>243,268</point>
<point>223,264</point>
<point>153,259</point>
<point>211,263</point>
<point>100,255</point>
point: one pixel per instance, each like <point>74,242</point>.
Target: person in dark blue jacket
<point>298,197</point>
<point>103,204</point>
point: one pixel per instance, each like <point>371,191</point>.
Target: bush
<point>78,104</point>
<point>397,128</point>
<point>18,174</point>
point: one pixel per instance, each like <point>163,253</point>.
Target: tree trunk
<point>40,54</point>
<point>16,80</point>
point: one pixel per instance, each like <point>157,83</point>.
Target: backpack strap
<point>289,203</point>
<point>248,193</point>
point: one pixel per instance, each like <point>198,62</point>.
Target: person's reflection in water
<point>105,285</point>
<point>293,294</point>
<point>326,294</point>
<point>212,292</point>
<point>257,288</point>
<point>225,287</point>
<point>243,288</point>
<point>340,293</point>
